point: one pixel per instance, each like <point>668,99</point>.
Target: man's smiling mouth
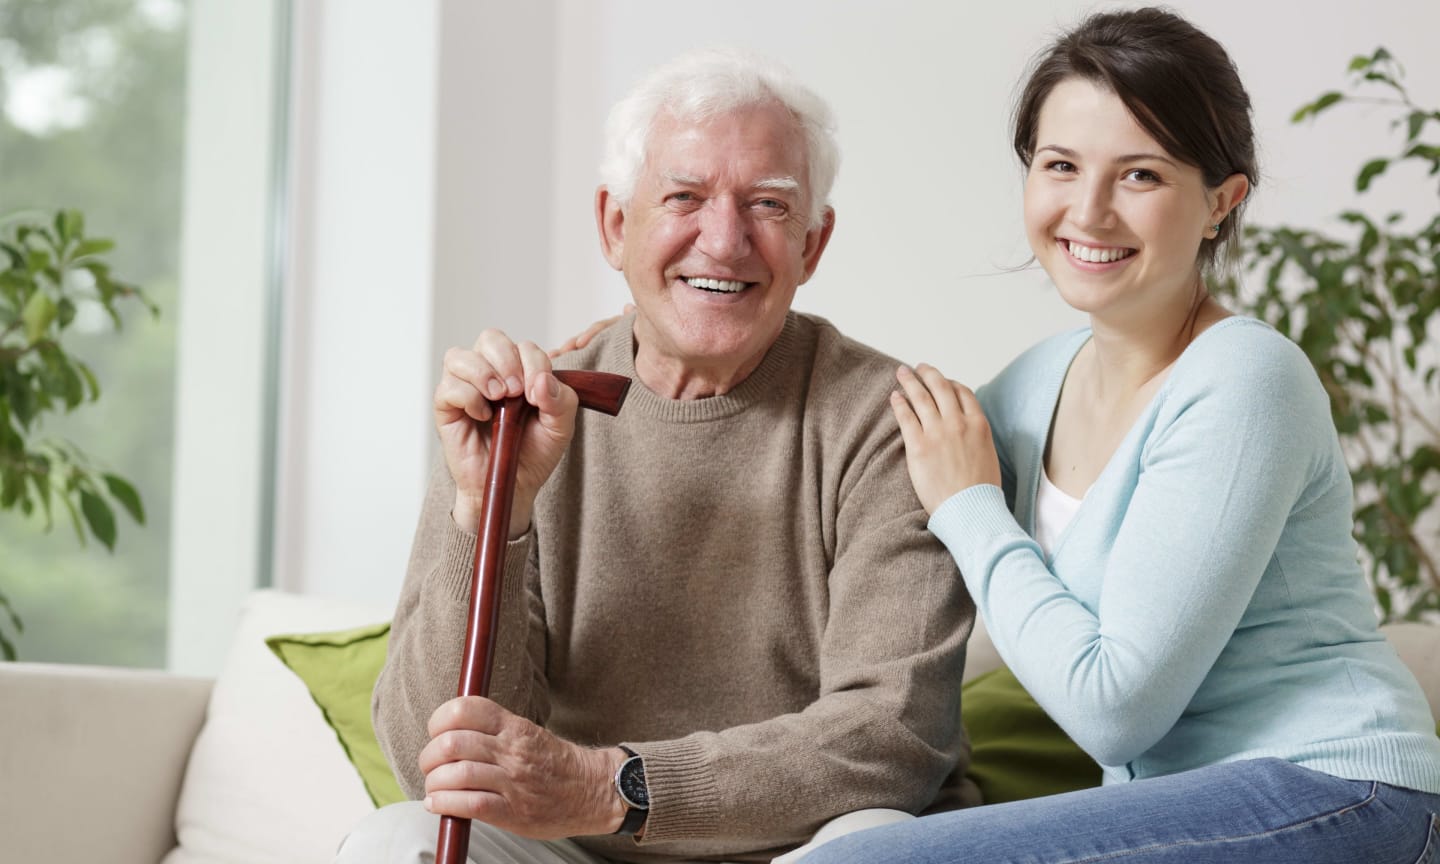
<point>717,286</point>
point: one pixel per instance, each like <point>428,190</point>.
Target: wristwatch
<point>634,794</point>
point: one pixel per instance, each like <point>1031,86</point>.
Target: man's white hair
<point>699,85</point>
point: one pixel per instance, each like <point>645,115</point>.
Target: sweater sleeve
<point>883,729</point>
<point>427,635</point>
<point>1220,472</point>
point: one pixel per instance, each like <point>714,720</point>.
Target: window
<point>93,119</point>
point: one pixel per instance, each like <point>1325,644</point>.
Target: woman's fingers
<point>918,395</point>
<point>940,390</point>
<point>910,428</point>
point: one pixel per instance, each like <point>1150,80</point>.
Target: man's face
<point>714,240</point>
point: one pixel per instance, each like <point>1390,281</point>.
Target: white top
<point>1054,509</point>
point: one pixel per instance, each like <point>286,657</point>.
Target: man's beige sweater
<point>740,588</point>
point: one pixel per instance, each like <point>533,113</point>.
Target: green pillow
<point>340,669</point>
<point>1017,750</point>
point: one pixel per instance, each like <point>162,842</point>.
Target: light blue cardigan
<point>1205,605</point>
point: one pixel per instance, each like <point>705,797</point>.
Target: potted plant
<point>1365,308</point>
<point>51,276</point>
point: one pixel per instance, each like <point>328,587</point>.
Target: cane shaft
<point>485,588</point>
<point>598,391</point>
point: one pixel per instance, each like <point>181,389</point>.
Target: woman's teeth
<point>724,286</point>
<point>1097,255</point>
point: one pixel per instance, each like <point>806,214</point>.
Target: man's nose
<point>724,231</point>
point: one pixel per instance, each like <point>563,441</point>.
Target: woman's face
<point>1114,219</point>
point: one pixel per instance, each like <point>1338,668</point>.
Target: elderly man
<point>724,622</point>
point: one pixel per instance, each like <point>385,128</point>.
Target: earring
<point>1215,229</point>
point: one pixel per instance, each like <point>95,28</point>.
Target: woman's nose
<point>1094,205</point>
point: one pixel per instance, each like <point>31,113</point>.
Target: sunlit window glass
<point>93,119</point>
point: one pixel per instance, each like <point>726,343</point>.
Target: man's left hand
<point>486,763</point>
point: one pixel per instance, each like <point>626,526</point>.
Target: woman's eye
<point>1143,176</point>
<point>1060,166</point>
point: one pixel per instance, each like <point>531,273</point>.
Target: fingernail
<point>554,387</point>
<point>514,385</point>
<point>428,804</point>
<point>494,389</point>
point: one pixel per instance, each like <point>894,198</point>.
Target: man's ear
<point>816,239</point>
<point>610,220</point>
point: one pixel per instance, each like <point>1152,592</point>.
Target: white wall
<point>445,182</point>
<point>230,115</point>
<point>360,299</point>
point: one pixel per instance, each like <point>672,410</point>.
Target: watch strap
<point>634,818</point>
<point>632,823</point>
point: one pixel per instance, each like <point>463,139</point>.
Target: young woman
<point>1153,514</point>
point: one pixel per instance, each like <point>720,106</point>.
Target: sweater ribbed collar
<point>618,355</point>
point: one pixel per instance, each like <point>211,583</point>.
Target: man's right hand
<point>471,381</point>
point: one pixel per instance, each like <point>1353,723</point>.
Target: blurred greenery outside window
<point>93,119</point>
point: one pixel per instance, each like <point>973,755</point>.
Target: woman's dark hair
<point>1177,82</point>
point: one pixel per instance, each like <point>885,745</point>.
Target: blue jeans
<point>1254,812</point>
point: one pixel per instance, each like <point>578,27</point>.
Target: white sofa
<point>133,767</point>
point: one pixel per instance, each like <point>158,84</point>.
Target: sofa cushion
<point>1017,751</point>
<point>266,781</point>
<point>339,668</point>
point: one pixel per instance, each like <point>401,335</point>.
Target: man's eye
<point>770,204</point>
<point>682,196</point>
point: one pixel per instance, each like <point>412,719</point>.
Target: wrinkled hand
<point>486,763</point>
<point>470,381</point>
<point>581,339</point>
<point>948,447</point>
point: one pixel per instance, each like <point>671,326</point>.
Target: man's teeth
<point>1098,255</point>
<point>727,286</point>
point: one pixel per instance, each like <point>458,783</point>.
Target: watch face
<point>632,783</point>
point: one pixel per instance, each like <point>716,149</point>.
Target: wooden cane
<point>598,391</point>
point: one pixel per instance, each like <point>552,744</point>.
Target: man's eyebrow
<point>1128,157</point>
<point>683,179</point>
<point>778,184</point>
<point>774,184</point>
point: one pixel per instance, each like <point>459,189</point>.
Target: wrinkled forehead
<point>761,145</point>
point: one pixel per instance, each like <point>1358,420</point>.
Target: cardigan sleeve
<point>1227,459</point>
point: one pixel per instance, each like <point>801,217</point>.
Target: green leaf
<point>93,246</point>
<point>1314,108</point>
<point>40,480</point>
<point>123,492</point>
<point>1416,123</point>
<point>90,380</point>
<point>99,517</point>
<point>12,614</point>
<point>69,226</point>
<point>37,260</point>
<point>1369,172</point>
<point>74,518</point>
<point>38,313</point>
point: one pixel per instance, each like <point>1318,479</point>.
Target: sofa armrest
<point>1419,647</point>
<point>92,759</point>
